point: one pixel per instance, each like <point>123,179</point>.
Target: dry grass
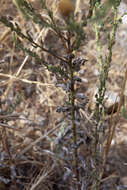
<point>32,134</point>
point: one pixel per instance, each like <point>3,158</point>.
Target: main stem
<point>74,134</point>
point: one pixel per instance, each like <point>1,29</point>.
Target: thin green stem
<point>72,98</point>
<point>99,48</point>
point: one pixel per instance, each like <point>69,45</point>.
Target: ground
<point>30,102</point>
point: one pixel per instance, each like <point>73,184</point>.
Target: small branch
<point>9,127</point>
<point>25,80</point>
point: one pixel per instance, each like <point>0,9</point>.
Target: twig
<point>10,127</point>
<point>25,80</point>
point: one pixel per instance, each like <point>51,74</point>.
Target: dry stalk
<point>118,110</point>
<point>41,178</point>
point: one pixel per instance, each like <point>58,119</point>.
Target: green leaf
<point>124,112</point>
<point>101,11</point>
<point>20,6</point>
